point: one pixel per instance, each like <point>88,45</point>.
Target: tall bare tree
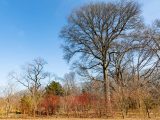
<point>92,31</point>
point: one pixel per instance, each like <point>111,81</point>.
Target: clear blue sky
<point>30,29</point>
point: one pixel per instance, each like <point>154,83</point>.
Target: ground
<point>81,119</point>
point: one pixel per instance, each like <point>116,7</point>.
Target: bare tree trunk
<point>107,94</point>
<point>34,112</point>
<point>147,111</point>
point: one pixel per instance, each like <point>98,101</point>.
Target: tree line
<point>117,55</point>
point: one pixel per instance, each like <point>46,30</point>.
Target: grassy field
<point>95,119</point>
<point>81,119</point>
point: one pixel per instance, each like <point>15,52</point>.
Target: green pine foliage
<point>54,88</point>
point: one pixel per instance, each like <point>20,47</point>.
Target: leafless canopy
<point>92,29</point>
<point>32,75</point>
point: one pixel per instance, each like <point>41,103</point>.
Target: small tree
<point>25,104</point>
<point>31,78</point>
<point>9,93</point>
<point>70,87</point>
<point>54,88</point>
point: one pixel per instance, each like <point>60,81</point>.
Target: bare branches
<point>94,30</point>
<point>31,78</point>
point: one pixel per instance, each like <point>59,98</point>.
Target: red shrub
<point>49,104</point>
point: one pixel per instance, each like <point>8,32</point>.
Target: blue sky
<point>30,29</point>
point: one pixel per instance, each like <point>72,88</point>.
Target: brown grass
<point>82,119</point>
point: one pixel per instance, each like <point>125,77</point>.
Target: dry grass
<point>82,119</point>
